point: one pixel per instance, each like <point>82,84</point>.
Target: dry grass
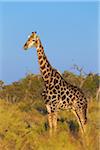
<point>22,128</point>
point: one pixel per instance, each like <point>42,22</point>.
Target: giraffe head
<point>32,41</point>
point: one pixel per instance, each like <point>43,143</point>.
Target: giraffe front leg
<point>54,119</point>
<point>49,119</point>
<point>50,123</point>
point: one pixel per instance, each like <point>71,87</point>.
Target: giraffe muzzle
<point>25,46</point>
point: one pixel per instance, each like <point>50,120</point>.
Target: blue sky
<point>68,31</point>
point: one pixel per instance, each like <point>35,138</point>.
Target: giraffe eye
<point>33,40</point>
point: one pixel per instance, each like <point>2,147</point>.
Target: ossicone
<point>34,32</point>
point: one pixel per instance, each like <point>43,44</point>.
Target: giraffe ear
<point>37,36</point>
<point>28,36</point>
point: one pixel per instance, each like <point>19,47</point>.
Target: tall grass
<point>24,127</point>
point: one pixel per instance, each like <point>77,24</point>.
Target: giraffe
<point>58,94</point>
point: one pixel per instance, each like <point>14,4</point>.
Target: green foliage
<point>91,84</point>
<point>71,78</point>
<point>32,86</point>
<point>29,87</point>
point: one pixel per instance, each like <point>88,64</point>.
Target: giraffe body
<point>58,94</point>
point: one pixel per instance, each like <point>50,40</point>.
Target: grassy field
<point>23,127</point>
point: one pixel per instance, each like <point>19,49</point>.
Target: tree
<point>91,85</point>
<point>82,74</point>
<point>1,84</point>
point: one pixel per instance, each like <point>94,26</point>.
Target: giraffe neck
<point>45,67</point>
